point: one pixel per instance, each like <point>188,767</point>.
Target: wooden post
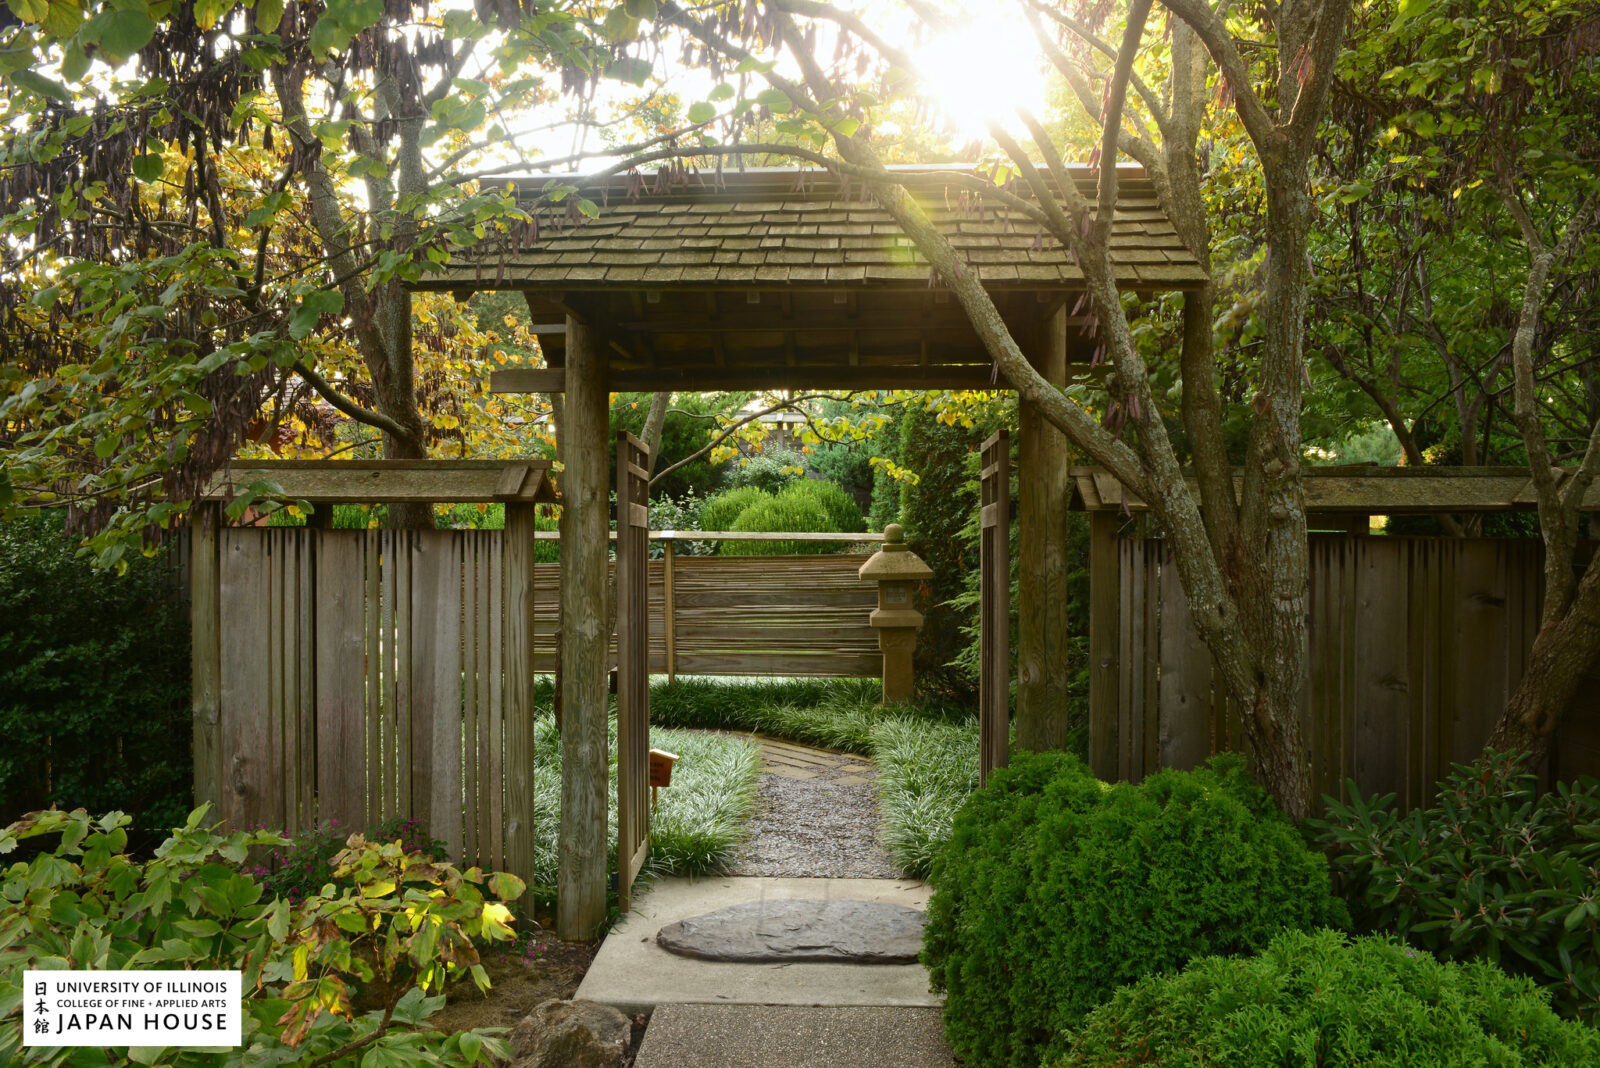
<point>1042,553</point>
<point>668,611</point>
<point>519,691</point>
<point>205,652</point>
<point>1104,594</point>
<point>581,878</point>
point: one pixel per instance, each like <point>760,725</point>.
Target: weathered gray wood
<point>1042,463</point>
<point>371,669</point>
<point>243,692</point>
<point>1415,644</point>
<point>1104,603</point>
<point>341,695</point>
<point>471,644</point>
<point>1184,689</point>
<point>669,620</point>
<point>633,662</point>
<point>710,377</point>
<point>994,566</point>
<point>493,746</point>
<point>445,817</point>
<point>389,481</point>
<point>519,712</point>
<point>581,878</point>
<point>1350,492</point>
<point>205,663</point>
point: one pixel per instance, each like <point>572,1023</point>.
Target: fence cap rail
<point>1365,490</point>
<point>525,480</point>
<point>739,535</point>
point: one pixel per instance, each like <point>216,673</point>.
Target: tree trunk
<point>1565,650</point>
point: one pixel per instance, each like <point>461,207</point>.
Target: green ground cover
<point>699,818</point>
<point>926,753</point>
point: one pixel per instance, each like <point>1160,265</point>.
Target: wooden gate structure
<point>769,278</point>
<point>994,563</point>
<point>1416,643</point>
<point>362,676</point>
<point>633,662</point>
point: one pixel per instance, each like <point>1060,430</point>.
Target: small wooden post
<point>205,652</point>
<point>581,875</point>
<point>1104,592</point>
<point>518,774</point>
<point>1042,464</point>
<point>668,611</point>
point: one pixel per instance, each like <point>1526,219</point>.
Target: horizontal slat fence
<point>370,675</point>
<point>1415,646</point>
<point>745,615</point>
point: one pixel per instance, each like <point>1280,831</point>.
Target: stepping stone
<point>790,773</point>
<point>851,780</point>
<point>738,1036</point>
<point>787,930</point>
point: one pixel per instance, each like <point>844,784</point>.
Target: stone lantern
<point>896,570</point>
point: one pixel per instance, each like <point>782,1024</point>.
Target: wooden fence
<point>360,676</point>
<point>1415,645</point>
<point>743,615</point>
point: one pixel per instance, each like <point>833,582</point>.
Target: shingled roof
<point>782,278</point>
<point>788,228</point>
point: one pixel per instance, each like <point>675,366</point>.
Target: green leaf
<point>505,886</point>
<point>148,167</point>
<point>776,99</point>
<point>630,69</point>
<point>304,319</point>
<point>268,14</point>
<point>723,91</point>
<point>37,83</point>
<point>700,112</point>
<point>640,9</point>
<point>326,36</point>
<point>121,33</point>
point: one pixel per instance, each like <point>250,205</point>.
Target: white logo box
<point>131,1008</point>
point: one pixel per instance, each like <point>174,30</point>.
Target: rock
<point>571,1034</point>
<point>854,932</point>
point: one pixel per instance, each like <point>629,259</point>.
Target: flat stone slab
<point>633,973</point>
<point>739,1036</point>
<point>837,930</point>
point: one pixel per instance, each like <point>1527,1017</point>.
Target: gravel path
<point>816,815</point>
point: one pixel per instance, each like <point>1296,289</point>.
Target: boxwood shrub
<point>1317,999</point>
<point>1055,889</point>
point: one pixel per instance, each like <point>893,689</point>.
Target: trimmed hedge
<point>806,506</point>
<point>723,510</point>
<point>1317,999</point>
<point>1056,888</point>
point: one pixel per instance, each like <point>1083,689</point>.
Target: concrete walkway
<point>753,1036</point>
<point>635,975</point>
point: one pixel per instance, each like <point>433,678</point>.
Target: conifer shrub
<point>1054,889</point>
<point>723,510</point>
<point>806,506</point>
<point>1318,999</point>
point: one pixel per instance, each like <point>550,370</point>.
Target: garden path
<point>816,816</point>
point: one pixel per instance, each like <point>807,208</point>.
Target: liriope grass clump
<point>1055,889</point>
<point>926,753</point>
<point>1318,999</point>
<point>699,818</point>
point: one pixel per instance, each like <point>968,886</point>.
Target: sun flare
<point>982,71</point>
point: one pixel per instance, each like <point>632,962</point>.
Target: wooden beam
<point>519,710</point>
<point>581,876</point>
<point>205,654</point>
<point>1104,594</point>
<point>390,481</point>
<point>1042,465</point>
<point>712,377</point>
